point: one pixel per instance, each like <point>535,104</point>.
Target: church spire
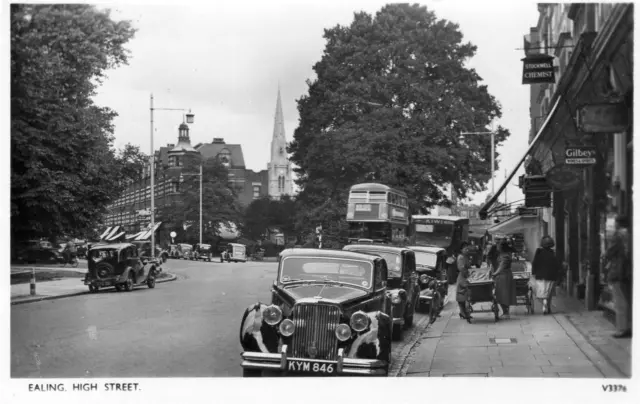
<point>278,125</point>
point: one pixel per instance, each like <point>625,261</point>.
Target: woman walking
<point>503,278</point>
<point>546,269</point>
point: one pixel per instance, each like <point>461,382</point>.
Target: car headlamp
<point>359,321</point>
<point>424,278</point>
<point>343,332</point>
<point>287,327</point>
<point>395,299</point>
<point>272,315</point>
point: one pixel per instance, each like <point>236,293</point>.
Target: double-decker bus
<point>446,232</point>
<point>377,213</point>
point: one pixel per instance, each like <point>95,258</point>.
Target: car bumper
<point>425,297</point>
<point>343,366</point>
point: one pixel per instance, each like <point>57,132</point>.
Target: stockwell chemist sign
<point>538,69</point>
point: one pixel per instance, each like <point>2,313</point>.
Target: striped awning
<point>112,233</point>
<point>145,235</point>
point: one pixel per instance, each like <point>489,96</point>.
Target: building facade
<point>588,108</point>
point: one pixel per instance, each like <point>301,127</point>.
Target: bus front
<point>432,231</point>
<point>376,214</point>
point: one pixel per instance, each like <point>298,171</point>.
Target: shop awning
<point>482,213</point>
<point>514,224</point>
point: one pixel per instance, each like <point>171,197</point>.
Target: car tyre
<point>251,372</point>
<point>128,285</point>
<point>151,281</point>
<point>118,288</point>
<point>93,289</point>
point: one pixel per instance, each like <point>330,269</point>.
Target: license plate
<point>103,284</point>
<point>363,208</point>
<point>324,368</point>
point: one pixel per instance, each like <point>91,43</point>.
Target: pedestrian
<point>618,257</point>
<point>503,278</point>
<point>492,256</point>
<point>463,294</point>
<point>463,257</point>
<point>546,269</point>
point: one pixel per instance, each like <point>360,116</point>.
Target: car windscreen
<point>426,259</point>
<point>356,272</point>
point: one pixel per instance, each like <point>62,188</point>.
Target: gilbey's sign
<point>580,155</point>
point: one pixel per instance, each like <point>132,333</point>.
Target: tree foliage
<point>220,204</point>
<point>391,97</point>
<point>64,168</point>
<point>265,214</point>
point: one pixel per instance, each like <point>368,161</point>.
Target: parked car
<point>234,253</point>
<point>174,251</point>
<point>402,281</point>
<point>34,251</point>
<point>144,250</point>
<point>329,315</point>
<point>119,265</point>
<point>186,251</point>
<point>202,252</point>
<point>432,278</point>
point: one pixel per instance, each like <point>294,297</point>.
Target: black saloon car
<point>402,281</point>
<point>329,315</point>
<point>432,278</point>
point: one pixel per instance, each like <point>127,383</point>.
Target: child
<point>463,294</point>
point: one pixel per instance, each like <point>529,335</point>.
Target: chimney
<point>218,140</point>
<point>172,145</point>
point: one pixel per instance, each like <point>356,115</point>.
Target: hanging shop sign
<point>563,177</point>
<point>538,69</point>
<point>580,155</point>
<point>603,118</point>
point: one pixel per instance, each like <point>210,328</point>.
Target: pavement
<point>571,342</point>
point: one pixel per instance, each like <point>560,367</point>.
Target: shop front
<point>581,156</point>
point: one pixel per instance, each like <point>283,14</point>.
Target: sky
<point>225,61</point>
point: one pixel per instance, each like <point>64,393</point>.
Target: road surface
<point>186,328</point>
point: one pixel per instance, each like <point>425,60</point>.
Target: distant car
<point>402,281</point>
<point>34,251</point>
<point>329,315</point>
<point>119,265</point>
<point>144,250</point>
<point>234,253</point>
<point>202,252</point>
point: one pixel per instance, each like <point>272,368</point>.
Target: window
<point>256,191</point>
<point>281,183</point>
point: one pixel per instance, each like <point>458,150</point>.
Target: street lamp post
<point>181,179</point>
<point>152,159</point>
<point>493,155</point>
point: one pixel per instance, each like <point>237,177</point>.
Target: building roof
<point>209,150</point>
<point>372,186</point>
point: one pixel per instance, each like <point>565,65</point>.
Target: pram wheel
<point>496,312</point>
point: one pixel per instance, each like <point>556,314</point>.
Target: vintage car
<point>402,281</point>
<point>432,278</point>
<point>202,252</point>
<point>329,315</point>
<point>186,251</point>
<point>34,251</point>
<point>119,265</point>
<point>234,253</point>
<point>144,250</point>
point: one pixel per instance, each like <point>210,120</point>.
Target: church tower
<point>279,167</point>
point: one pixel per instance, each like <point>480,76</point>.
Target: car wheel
<point>93,289</point>
<point>118,288</point>
<point>251,372</point>
<point>128,285</point>
<point>104,270</point>
<point>151,281</point>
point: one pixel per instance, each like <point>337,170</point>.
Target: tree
<point>265,213</point>
<point>219,201</point>
<point>392,95</point>
<point>64,168</point>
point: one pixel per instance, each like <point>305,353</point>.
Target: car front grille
<point>315,326</point>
